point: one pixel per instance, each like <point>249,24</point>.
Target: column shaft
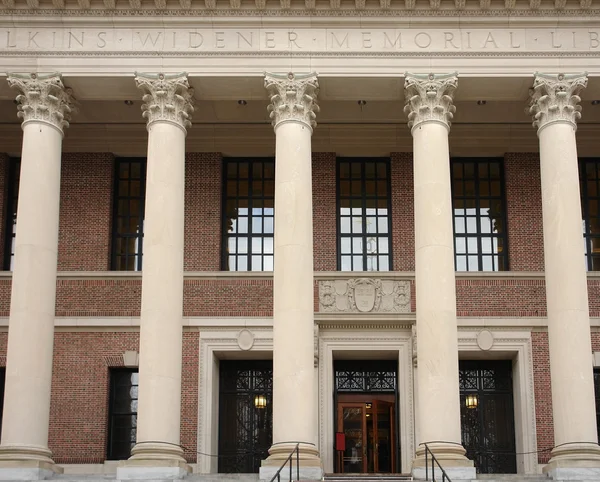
<point>294,401</point>
<point>430,109</point>
<point>44,106</point>
<point>555,110</point>
<point>157,453</point>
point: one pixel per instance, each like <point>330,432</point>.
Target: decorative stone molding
<point>293,98</point>
<point>414,345</point>
<point>429,98</point>
<point>167,98</point>
<point>43,98</point>
<point>555,98</point>
<point>364,295</point>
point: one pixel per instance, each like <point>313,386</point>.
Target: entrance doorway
<point>487,415</point>
<point>245,414</point>
<point>366,435</point>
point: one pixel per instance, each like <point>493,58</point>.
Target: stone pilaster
<point>555,108</point>
<point>168,105</point>
<point>293,111</point>
<point>44,104</point>
<point>430,109</point>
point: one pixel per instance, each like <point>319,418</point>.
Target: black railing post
<point>426,463</point>
<point>297,462</point>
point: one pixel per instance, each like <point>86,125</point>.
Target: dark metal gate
<point>245,414</point>
<point>487,415</point>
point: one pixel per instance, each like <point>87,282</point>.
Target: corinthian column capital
<point>43,98</point>
<point>555,98</point>
<point>167,98</point>
<point>429,98</point>
<point>293,98</point>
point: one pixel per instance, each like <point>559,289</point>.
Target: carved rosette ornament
<point>293,98</point>
<point>555,98</point>
<point>429,98</point>
<point>167,98</point>
<point>43,98</point>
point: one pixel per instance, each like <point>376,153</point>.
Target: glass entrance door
<point>366,437</point>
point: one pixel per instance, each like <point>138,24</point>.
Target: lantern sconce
<point>260,401</point>
<point>471,401</point>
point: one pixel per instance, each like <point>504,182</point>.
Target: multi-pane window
<point>479,215</point>
<point>590,198</point>
<point>364,241</point>
<point>14,173</point>
<point>249,196</point>
<point>123,406</point>
<point>128,218</point>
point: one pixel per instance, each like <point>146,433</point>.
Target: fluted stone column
<point>157,454</point>
<point>44,105</point>
<point>556,110</point>
<point>293,107</point>
<point>430,109</point>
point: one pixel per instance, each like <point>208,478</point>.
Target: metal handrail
<point>289,459</point>
<point>434,461</point>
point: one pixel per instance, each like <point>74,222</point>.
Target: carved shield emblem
<point>364,296</point>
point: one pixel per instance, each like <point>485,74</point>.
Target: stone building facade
<point>246,227</point>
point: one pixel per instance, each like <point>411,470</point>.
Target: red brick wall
<point>543,395</point>
<point>203,179</point>
<point>324,185</point>
<point>403,222</point>
<point>85,212</point>
<point>524,212</point>
<point>4,180</point>
<point>80,382</point>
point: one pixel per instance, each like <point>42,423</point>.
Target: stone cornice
<point>293,97</point>
<point>429,98</point>
<point>167,98</point>
<point>43,98</point>
<point>555,98</point>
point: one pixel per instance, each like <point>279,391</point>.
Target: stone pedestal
<point>157,453</point>
<point>555,109</point>
<point>293,110</point>
<point>430,109</point>
<point>44,106</point>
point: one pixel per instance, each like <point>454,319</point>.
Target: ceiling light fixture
<point>596,102</point>
<point>128,102</point>
<point>481,102</point>
<point>362,102</point>
<point>242,102</point>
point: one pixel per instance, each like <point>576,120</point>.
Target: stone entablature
<point>364,295</point>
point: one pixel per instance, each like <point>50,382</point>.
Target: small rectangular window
<point>128,214</point>
<point>364,215</point>
<point>14,174</point>
<point>249,213</point>
<point>479,215</point>
<point>589,178</point>
<point>123,407</point>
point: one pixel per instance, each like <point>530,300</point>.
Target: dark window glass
<point>590,183</point>
<point>123,406</point>
<point>128,219</point>
<point>597,396</point>
<point>364,215</point>
<point>479,213</point>
<point>14,173</point>
<point>248,222</point>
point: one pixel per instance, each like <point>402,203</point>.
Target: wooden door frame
<point>391,406</point>
<point>341,406</point>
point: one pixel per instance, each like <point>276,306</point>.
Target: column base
<point>311,467</point>
<point>27,462</point>
<point>450,456</point>
<point>574,461</point>
<point>154,461</point>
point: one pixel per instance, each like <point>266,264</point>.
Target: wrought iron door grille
<point>245,425</point>
<point>488,425</point>
<point>366,376</point>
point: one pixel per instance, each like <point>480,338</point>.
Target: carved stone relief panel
<point>364,295</point>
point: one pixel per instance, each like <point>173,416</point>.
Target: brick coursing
<point>4,180</point>
<point>85,212</point>
<point>524,211</point>
<point>543,395</point>
<point>324,185</point>
<point>403,222</point>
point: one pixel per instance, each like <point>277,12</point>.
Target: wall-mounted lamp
<point>471,401</point>
<point>260,401</point>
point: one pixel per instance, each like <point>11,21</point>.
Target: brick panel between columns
<point>324,211</point>
<point>403,221</point>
